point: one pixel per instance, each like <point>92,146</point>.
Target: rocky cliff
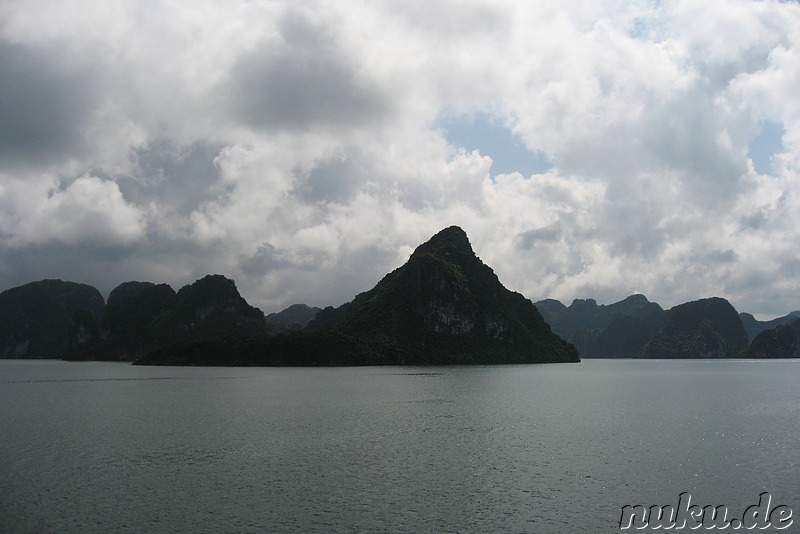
<point>142,317</point>
<point>35,318</point>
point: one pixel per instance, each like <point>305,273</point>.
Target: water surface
<point>110,447</point>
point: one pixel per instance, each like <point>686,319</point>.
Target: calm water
<point>108,447</point>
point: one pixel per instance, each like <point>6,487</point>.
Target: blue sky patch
<point>766,143</point>
<point>492,138</point>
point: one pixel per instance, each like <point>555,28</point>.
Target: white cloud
<point>88,212</point>
<point>293,145</point>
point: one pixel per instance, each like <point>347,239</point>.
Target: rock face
<point>295,317</point>
<point>783,341</point>
<point>35,319</point>
<point>618,330</point>
<point>707,328</point>
<point>142,317</point>
<point>444,306</point>
<point>212,308</point>
<point>132,324</point>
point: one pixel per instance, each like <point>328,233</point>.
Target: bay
<point>110,447</point>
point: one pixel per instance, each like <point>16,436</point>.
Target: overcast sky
<point>590,149</point>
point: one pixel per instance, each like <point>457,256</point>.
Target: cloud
<point>46,108</point>
<point>177,178</point>
<point>302,78</point>
<point>298,146</point>
<point>335,180</point>
<point>89,211</point>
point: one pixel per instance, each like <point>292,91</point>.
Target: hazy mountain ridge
<point>619,330</point>
<point>637,328</point>
<point>295,317</point>
<point>753,326</point>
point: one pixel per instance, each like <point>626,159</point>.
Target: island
<point>443,306</point>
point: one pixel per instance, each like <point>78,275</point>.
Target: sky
<point>590,149</point>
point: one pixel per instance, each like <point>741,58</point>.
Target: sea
<point>99,447</point>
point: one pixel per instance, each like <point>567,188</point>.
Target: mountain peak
<point>446,306</point>
<point>451,241</point>
<point>450,232</point>
<point>636,298</point>
<point>443,306</point>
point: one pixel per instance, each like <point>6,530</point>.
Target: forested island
<point>444,306</point>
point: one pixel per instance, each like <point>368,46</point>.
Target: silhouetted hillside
<point>295,317</point>
<point>707,328</point>
<point>141,317</point>
<point>35,318</point>
<point>783,341</point>
<point>753,326</point>
<point>618,330</point>
<point>444,306</point>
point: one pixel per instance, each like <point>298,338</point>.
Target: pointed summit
<point>446,306</point>
<point>452,241</point>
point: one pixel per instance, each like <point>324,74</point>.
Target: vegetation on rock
<point>783,341</point>
<point>706,328</point>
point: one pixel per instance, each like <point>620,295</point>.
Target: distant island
<point>444,306</point>
<point>638,328</point>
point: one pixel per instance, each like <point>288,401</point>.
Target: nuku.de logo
<point>692,516</point>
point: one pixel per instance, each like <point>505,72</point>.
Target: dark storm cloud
<point>304,80</point>
<point>86,264</point>
<point>179,177</point>
<point>716,257</point>
<point>548,234</point>
<point>44,107</point>
<point>161,259</point>
<point>335,180</point>
<point>267,258</point>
